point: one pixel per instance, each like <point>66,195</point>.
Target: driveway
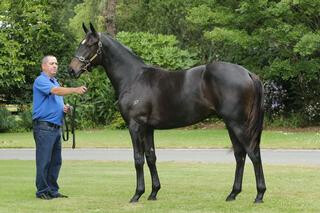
<point>269,156</point>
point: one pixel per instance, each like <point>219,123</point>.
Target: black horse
<point>151,98</point>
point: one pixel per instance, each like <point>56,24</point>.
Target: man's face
<point>50,67</point>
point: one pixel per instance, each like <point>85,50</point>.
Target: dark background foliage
<point>278,40</point>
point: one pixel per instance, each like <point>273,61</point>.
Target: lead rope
<point>65,127</point>
<point>73,124</point>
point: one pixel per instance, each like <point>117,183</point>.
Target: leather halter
<point>87,62</point>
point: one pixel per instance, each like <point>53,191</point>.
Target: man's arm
<point>62,91</point>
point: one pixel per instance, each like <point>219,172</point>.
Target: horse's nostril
<point>71,72</point>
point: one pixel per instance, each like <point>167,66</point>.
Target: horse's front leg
<point>151,160</point>
<point>137,134</point>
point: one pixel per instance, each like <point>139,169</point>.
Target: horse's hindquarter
<point>229,87</point>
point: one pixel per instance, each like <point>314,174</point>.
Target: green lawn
<point>177,138</point>
<point>98,186</point>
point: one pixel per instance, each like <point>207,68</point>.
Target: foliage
<point>25,115</point>
<point>309,44</point>
<point>278,40</point>
<point>292,120</point>
<point>312,112</point>
<point>272,38</point>
<point>97,106</point>
<point>275,98</point>
<point>7,121</point>
<point>156,16</point>
<point>118,122</point>
<point>158,49</point>
<point>29,30</point>
<point>85,12</point>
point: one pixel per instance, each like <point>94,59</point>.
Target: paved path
<point>182,155</point>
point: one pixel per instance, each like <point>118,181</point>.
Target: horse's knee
<point>139,161</point>
<point>151,159</point>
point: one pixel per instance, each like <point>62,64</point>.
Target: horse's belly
<point>175,118</point>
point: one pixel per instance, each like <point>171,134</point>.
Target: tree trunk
<point>110,17</point>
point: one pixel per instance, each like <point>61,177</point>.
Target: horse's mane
<point>152,68</point>
<point>122,47</point>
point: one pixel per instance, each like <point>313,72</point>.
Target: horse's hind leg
<point>254,155</point>
<point>151,160</point>
<point>137,133</point>
<point>257,164</point>
<point>240,156</point>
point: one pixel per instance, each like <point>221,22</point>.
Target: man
<point>47,115</point>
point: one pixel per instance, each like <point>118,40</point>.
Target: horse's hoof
<point>152,198</point>
<point>134,200</point>
<point>230,198</point>
<point>258,201</point>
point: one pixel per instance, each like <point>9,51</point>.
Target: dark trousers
<point>48,157</point>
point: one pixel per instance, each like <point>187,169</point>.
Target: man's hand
<point>67,108</point>
<point>81,90</point>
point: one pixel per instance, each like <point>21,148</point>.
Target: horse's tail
<point>255,120</point>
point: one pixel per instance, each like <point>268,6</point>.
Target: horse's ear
<point>94,32</point>
<point>85,29</point>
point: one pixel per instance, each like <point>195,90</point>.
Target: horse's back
<point>227,73</point>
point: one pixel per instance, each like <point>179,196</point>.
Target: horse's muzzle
<point>71,72</point>
<point>74,74</point>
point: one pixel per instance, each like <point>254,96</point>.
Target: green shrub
<point>25,116</point>
<point>117,122</point>
<point>7,121</point>
<point>293,120</point>
<point>157,49</point>
<point>97,107</point>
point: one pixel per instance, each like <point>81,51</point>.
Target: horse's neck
<point>121,66</point>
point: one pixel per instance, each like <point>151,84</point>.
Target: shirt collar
<point>52,79</point>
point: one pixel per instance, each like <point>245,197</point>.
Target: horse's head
<point>87,54</point>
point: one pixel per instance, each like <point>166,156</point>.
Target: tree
<point>279,40</point>
<point>87,11</point>
<point>29,30</point>
<point>110,16</point>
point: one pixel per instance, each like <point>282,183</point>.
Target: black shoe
<point>58,195</point>
<point>44,196</point>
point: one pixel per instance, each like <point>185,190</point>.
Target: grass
<point>98,186</point>
<point>176,138</point>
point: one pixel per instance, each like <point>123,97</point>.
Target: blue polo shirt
<point>47,106</point>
